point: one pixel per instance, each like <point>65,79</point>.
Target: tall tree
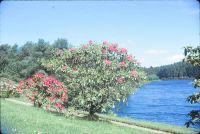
<point>62,44</point>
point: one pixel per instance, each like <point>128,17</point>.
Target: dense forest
<point>19,62</point>
<point>179,70</point>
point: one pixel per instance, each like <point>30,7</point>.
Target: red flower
<point>123,50</point>
<point>108,62</point>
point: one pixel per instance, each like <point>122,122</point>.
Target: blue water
<point>160,101</point>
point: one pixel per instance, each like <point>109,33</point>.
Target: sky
<point>154,31</point>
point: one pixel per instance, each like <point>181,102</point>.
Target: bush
<point>44,91</point>
<point>8,88</point>
<point>97,75</point>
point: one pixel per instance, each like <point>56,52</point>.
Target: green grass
<point>16,118</point>
<point>152,125</point>
<point>26,119</point>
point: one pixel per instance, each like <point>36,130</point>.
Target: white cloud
<point>156,51</point>
<point>175,58</point>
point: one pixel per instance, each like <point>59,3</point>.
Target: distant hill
<point>179,70</point>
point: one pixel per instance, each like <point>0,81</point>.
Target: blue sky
<point>154,31</point>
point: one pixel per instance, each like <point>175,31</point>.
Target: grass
<point>19,119</point>
<point>152,125</point>
<point>16,118</point>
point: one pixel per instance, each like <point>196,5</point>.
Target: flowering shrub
<point>97,75</point>
<point>7,88</point>
<point>44,91</point>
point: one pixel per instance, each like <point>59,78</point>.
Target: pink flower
<point>39,75</point>
<point>58,89</point>
<point>105,43</point>
<point>63,99</point>
<point>134,73</point>
<point>122,63</point>
<point>59,105</point>
<point>62,107</point>
<point>85,47</point>
<point>19,90</point>
<point>123,50</point>
<point>113,48</point>
<point>21,82</point>
<point>51,98</point>
<point>108,62</point>
<point>57,82</point>
<point>29,79</point>
<point>104,51</point>
<point>51,87</point>
<point>72,49</point>
<point>129,57</point>
<point>46,83</point>
<point>90,42</point>
<point>120,79</point>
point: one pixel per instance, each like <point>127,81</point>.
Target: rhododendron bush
<point>44,91</point>
<point>97,75</point>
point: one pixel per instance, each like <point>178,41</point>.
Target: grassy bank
<point>152,125</point>
<point>16,118</point>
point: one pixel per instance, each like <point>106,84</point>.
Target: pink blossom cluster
<point>47,87</point>
<point>134,73</point>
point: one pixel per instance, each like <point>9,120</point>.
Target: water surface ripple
<point>160,101</point>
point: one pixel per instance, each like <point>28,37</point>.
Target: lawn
<point>20,119</point>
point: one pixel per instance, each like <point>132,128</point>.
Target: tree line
<point>179,70</point>
<point>19,62</point>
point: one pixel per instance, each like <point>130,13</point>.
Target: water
<point>161,101</point>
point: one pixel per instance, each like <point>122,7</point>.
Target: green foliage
<point>179,70</point>
<point>192,56</point>
<point>97,75</point>
<point>62,44</point>
<point>152,77</point>
<point>18,63</point>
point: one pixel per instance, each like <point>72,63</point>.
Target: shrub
<point>8,88</point>
<point>97,75</point>
<point>44,91</point>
